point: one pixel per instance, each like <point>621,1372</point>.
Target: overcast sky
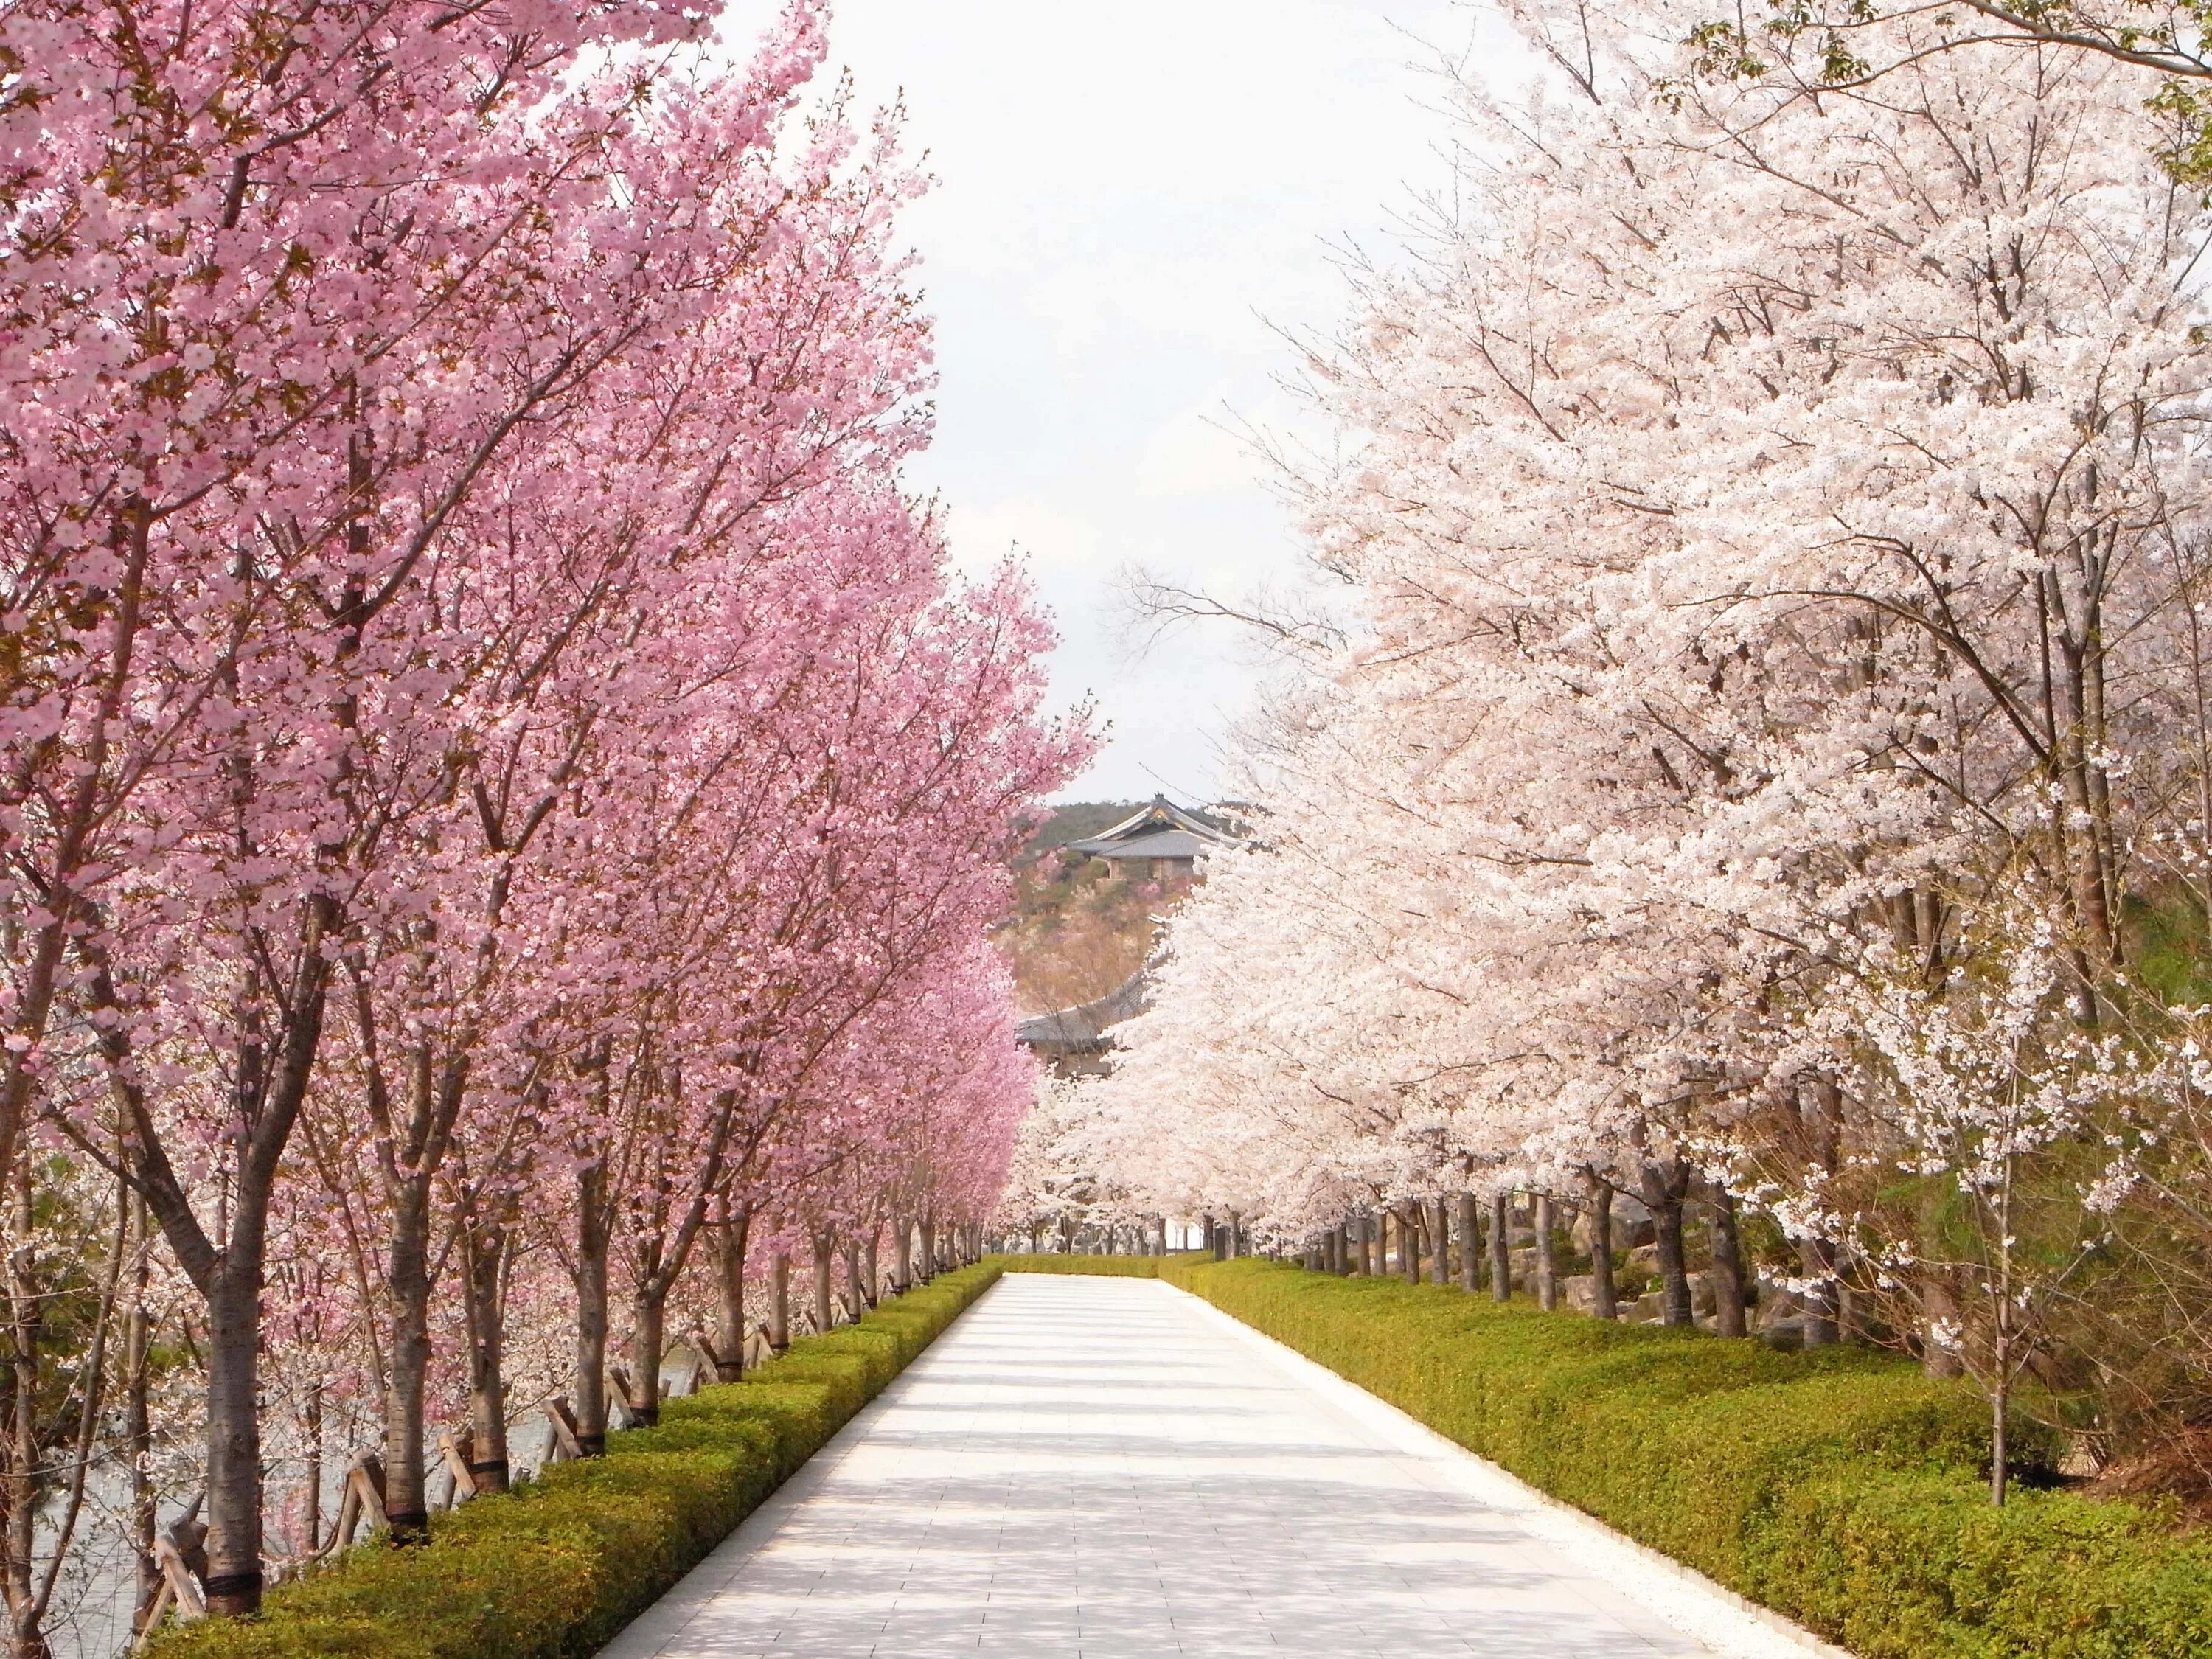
<point>1131,197</point>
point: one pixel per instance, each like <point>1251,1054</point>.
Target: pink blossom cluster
<point>500,788</point>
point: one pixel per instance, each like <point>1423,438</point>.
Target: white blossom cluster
<point>1776,518</point>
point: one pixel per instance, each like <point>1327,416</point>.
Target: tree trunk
<point>928,1248</point>
<point>1470,1243</point>
<point>590,1281</point>
<point>1663,1196</point>
<point>874,1286</point>
<point>730,1291</point>
<point>1440,1242</point>
<point>144,1500</point>
<point>407,1295</point>
<point>138,1420</point>
<point>1999,1437</point>
<point>649,1342</point>
<point>1817,1264</point>
<point>234,1473</point>
<point>899,1271</point>
<point>1939,1309</point>
<point>406,1505</point>
<point>778,1305</point>
<point>25,1486</point>
<point>825,1248</point>
<point>1728,1261</point>
<point>483,1271</point>
<point>1547,1264</point>
<point>1822,1124</point>
<point>1501,1264</point>
<point>1409,1242</point>
<point>1606,1304</point>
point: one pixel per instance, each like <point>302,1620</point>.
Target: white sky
<point>1132,196</point>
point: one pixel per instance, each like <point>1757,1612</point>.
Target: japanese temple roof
<point>1159,844</point>
<point>1161,830</point>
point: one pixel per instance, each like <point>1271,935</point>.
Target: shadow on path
<point>1096,1467</point>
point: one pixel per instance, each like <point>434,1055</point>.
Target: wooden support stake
<point>760,1347</point>
<point>715,1362</point>
<point>566,1446</point>
<point>458,1454</point>
<point>179,1591</point>
<point>365,1490</point>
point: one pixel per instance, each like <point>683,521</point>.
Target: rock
<point>1776,1307</point>
<point>1631,1222</point>
<point>1650,1309</point>
<point>1631,1225</point>
<point>1578,1292</point>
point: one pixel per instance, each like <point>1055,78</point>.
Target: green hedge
<point>555,1568</point>
<point>1101,1266</point>
<point>1838,1486</point>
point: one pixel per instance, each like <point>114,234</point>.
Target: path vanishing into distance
<point>1109,1467</point>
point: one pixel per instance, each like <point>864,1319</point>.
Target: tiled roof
<point>1161,830</point>
<point>1159,844</point>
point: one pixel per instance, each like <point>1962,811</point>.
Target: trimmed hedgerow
<point>1839,1486</point>
<point>1101,1266</point>
<point>555,1568</point>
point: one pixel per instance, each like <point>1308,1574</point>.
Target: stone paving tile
<point>1104,1468</point>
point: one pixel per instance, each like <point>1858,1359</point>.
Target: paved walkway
<point>1107,1467</point>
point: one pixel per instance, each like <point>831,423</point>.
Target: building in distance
<point>1162,841</point>
<point>1160,851</point>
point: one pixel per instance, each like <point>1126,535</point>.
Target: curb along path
<point>1107,1467</point>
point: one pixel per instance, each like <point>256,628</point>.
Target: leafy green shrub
<point>1924,1564</point>
<point>554,1568</point>
<point>1838,1486</point>
<point>1104,1266</point>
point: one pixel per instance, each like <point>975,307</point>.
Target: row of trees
<point>499,806</point>
<point>1768,770</point>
